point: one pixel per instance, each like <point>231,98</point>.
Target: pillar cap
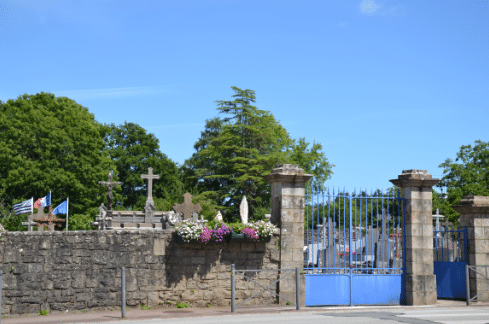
<point>414,178</point>
<point>288,173</point>
<point>473,205</point>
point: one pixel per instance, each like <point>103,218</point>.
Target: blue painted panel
<point>327,290</point>
<point>376,289</point>
<point>450,279</point>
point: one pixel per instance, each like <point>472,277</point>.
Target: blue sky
<point>383,85</point>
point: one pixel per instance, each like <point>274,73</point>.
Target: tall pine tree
<point>235,152</point>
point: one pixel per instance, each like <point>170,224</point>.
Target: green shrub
<point>181,305</point>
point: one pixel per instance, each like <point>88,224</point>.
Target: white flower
<point>263,228</point>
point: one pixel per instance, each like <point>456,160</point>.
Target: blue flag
<point>62,208</point>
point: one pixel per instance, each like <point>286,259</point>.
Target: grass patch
<point>144,307</point>
<point>181,305</point>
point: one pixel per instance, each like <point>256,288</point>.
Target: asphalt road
<point>428,315</point>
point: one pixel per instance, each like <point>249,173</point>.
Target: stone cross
<point>446,224</point>
<point>50,220</point>
<point>110,185</point>
<point>187,208</point>
<point>243,210</point>
<point>29,222</point>
<point>40,214</point>
<point>150,178</point>
<point>437,217</point>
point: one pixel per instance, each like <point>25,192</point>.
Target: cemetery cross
<point>110,185</point>
<point>150,176</point>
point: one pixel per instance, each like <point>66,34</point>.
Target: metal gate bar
<point>353,237</point>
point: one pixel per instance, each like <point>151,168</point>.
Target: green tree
<point>9,219</point>
<point>237,150</point>
<point>312,159</point>
<point>52,144</point>
<point>133,151</point>
<point>467,175</point>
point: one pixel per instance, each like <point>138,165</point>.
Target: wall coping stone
<point>288,173</point>
<point>414,178</point>
<point>473,205</point>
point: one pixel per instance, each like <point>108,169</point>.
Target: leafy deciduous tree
<point>467,175</point>
<point>51,144</point>
<point>133,151</point>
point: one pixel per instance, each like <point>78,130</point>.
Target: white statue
<point>218,216</point>
<point>243,210</point>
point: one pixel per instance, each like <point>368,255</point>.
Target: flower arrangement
<point>219,233</point>
<point>263,229</point>
<point>205,235</point>
<point>250,233</point>
<point>190,230</point>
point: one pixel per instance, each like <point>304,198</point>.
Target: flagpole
<point>32,205</point>
<point>67,205</point>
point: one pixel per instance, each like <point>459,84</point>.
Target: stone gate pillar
<point>416,186</point>
<point>474,212</point>
<point>287,182</point>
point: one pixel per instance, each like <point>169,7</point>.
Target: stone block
<point>419,255</point>
<point>79,279</point>
<point>159,246</point>
<point>80,297</point>
<point>62,284</point>
<point>421,298</point>
<point>100,257</point>
<point>47,285</point>
<point>419,268</point>
<point>9,282</point>
<point>416,283</point>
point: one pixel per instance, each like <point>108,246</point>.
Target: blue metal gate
<point>450,257</point>
<point>354,243</point>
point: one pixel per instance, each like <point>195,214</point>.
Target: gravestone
<point>371,239</point>
<point>110,185</point>
<point>50,220</point>
<point>383,247</point>
<point>187,208</point>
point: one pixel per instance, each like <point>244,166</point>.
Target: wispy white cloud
<point>370,7</point>
<point>112,93</point>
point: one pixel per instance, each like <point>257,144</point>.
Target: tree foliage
<point>467,175</point>
<point>236,151</point>
<point>133,151</point>
<point>51,144</point>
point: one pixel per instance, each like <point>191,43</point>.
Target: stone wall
<point>59,271</point>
